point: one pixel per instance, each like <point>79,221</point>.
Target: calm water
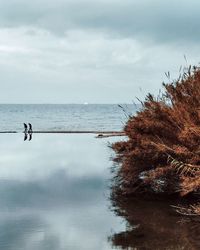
<point>154,225</point>
<point>64,116</point>
<point>54,193</point>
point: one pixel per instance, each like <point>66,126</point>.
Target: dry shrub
<point>162,153</point>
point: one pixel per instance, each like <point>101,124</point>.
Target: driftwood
<point>104,135</point>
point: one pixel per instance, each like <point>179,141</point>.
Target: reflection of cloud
<point>78,155</point>
<point>73,210</point>
<point>55,206</point>
<point>54,191</point>
<point>14,231</point>
<point>49,242</point>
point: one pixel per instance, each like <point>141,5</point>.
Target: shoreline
<point>100,134</point>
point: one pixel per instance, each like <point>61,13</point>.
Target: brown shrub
<point>162,153</point>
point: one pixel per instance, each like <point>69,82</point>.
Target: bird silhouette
<point>25,128</point>
<point>30,136</point>
<point>25,136</point>
<point>30,128</point>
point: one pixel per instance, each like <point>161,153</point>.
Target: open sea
<point>64,116</point>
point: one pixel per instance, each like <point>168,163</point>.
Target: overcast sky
<point>95,51</point>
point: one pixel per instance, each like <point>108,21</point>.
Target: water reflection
<point>28,135</point>
<point>53,193</point>
<point>153,225</point>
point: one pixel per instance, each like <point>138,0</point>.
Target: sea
<point>56,188</point>
<point>71,117</point>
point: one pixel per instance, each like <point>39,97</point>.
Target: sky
<point>95,51</point>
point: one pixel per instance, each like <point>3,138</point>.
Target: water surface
<point>64,116</point>
<point>152,224</point>
<point>54,193</point>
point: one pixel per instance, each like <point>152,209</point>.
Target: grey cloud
<point>158,20</point>
<point>49,49</point>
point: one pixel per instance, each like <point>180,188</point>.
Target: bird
<point>25,128</point>
<point>30,136</point>
<point>25,136</point>
<point>30,128</point>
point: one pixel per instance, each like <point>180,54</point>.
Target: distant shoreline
<point>100,134</point>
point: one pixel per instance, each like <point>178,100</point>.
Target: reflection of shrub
<point>162,152</point>
<point>151,225</point>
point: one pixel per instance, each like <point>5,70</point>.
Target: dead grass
<point>162,153</point>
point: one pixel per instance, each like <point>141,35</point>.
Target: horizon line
<point>120,103</point>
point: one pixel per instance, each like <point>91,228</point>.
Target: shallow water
<point>54,194</point>
<point>153,225</point>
